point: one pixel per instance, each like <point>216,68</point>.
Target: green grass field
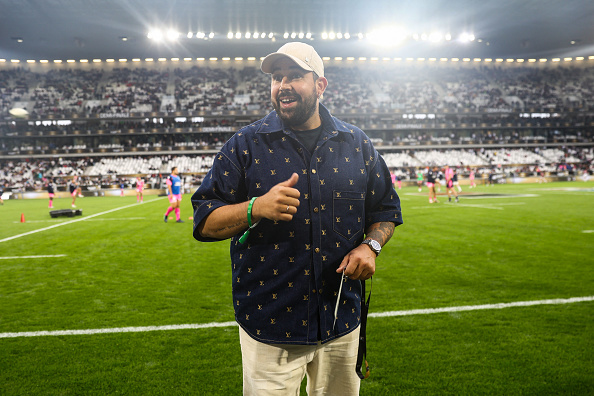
<point>122,266</point>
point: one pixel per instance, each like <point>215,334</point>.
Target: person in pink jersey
<point>471,178</point>
<point>449,175</point>
<point>74,190</point>
<point>51,193</point>
<point>139,189</point>
<point>396,180</point>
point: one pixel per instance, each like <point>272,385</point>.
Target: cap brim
<point>270,59</point>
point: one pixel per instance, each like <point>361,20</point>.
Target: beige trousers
<point>278,369</point>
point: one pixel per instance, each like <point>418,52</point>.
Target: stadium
<point>491,294</point>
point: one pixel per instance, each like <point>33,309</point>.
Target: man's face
<point>294,94</point>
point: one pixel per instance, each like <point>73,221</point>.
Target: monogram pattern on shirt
<point>282,292</point>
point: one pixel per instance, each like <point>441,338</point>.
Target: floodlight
<point>248,35</point>
<point>172,35</point>
<point>466,37</point>
<point>230,35</point>
<point>155,34</point>
<point>238,35</point>
<point>190,35</point>
<point>390,36</point>
<point>435,37</point>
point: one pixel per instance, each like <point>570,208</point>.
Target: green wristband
<point>249,214</point>
<point>246,234</point>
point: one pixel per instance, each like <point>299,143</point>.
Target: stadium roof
<point>76,29</point>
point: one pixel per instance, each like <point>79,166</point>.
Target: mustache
<point>287,95</point>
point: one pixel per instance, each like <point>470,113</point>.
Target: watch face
<point>375,245</point>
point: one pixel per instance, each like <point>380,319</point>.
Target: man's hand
<point>280,203</point>
<point>359,263</point>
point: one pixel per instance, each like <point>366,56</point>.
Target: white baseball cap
<point>304,55</point>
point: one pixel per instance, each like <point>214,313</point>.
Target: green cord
<point>246,234</point>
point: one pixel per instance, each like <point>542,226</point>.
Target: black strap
<point>361,356</point>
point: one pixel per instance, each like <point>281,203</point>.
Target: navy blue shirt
<point>284,277</point>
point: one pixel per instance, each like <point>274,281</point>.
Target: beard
<point>300,114</point>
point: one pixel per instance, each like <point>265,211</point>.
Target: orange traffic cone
<point>22,217</point>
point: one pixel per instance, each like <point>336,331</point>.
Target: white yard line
<point>232,324</point>
<point>73,221</point>
<point>502,196</point>
<point>556,301</point>
<point>439,205</point>
<point>32,257</point>
<point>112,219</point>
<point>494,206</point>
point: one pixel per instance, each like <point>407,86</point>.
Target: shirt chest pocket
<point>348,208</point>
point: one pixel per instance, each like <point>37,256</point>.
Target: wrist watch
<point>374,245</point>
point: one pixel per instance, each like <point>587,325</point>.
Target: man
<point>471,178</point>
<point>420,179</point>
<point>319,204</point>
<point>139,189</point>
<point>432,175</point>
<point>173,183</point>
<point>74,190</point>
<point>51,192</point>
<point>449,176</point>
<point>456,182</point>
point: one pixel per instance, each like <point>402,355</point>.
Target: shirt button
<point>317,250</point>
<point>313,171</point>
<point>316,210</point>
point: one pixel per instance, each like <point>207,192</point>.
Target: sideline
<point>31,257</point>
<point>74,221</point>
<point>232,324</point>
<point>108,219</point>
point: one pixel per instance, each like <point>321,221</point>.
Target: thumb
<point>291,181</point>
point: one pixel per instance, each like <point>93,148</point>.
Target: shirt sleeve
<point>224,184</point>
<point>382,202</point>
